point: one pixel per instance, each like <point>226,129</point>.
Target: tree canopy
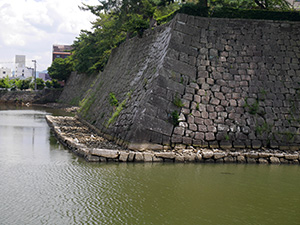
<point>61,69</point>
<point>118,20</point>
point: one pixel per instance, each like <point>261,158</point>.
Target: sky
<point>32,27</point>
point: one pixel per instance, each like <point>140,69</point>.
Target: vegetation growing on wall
<point>175,118</point>
<point>118,109</point>
<point>177,101</point>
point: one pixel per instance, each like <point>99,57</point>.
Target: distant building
<point>4,72</point>
<point>44,76</point>
<point>21,71</point>
<point>61,51</point>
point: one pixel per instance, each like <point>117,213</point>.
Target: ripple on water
<point>48,185</point>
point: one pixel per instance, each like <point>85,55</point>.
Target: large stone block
<point>181,67</point>
<point>107,153</point>
<point>123,156</point>
<point>165,155</point>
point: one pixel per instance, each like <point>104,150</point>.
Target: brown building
<point>61,51</point>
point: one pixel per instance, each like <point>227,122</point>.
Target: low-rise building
<point>4,72</point>
<point>61,51</point>
<point>21,71</point>
<point>44,76</point>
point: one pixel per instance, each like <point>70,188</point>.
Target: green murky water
<point>43,183</point>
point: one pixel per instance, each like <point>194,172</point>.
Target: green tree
<point>23,84</point>
<point>251,4</point>
<point>61,69</point>
<point>52,84</point>
<point>55,84</point>
<point>48,84</point>
<point>40,84</point>
<point>116,21</point>
<point>5,83</point>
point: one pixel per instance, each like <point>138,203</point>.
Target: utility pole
<point>34,74</point>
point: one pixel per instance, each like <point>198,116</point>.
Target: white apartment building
<point>4,72</point>
<point>21,71</point>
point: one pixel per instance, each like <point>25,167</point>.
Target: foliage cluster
<point>52,84</point>
<point>118,109</point>
<point>247,9</point>
<point>61,69</point>
<point>113,101</point>
<point>14,84</point>
<point>117,21</point>
<point>177,101</point>
<point>28,83</point>
<point>175,118</point>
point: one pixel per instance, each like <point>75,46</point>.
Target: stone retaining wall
<point>24,97</point>
<point>201,82</point>
<point>246,90</point>
<point>81,147</point>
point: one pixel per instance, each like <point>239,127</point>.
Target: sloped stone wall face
<point>136,77</point>
<point>246,91</point>
<point>233,83</point>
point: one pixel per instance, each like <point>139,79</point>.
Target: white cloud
<point>31,27</point>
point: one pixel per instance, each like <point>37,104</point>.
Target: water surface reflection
<point>43,183</point>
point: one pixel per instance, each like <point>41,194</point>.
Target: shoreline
<point>85,142</point>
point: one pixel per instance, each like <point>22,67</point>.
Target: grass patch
<point>118,110</point>
<point>177,101</point>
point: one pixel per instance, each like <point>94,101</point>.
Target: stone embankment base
<point>86,143</point>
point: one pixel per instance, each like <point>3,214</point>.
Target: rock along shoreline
<point>85,142</point>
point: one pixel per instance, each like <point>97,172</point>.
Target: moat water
<point>41,182</point>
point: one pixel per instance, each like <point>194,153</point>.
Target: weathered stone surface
<point>263,155</point>
<point>291,156</point>
<point>225,145</point>
<point>179,158</point>
<point>107,153</point>
<point>165,155</point>
<point>145,146</point>
<point>157,159</point>
<point>190,157</point>
<point>253,155</point>
<point>279,155</point>
<point>229,159</point>
<point>283,161</point>
<point>274,160</point>
<point>262,161</point>
<point>148,156</point>
<point>251,160</point>
<point>206,154</point>
<point>221,160</point>
<point>199,157</point>
<point>241,159</point>
<point>123,156</point>
<point>139,157</point>
<point>209,160</point>
<point>102,159</point>
<point>219,155</point>
<point>92,158</point>
<point>131,156</point>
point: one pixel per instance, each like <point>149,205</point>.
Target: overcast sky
<point>31,27</point>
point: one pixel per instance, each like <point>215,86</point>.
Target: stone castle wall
<point>246,92</point>
<point>207,82</point>
<point>24,97</point>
